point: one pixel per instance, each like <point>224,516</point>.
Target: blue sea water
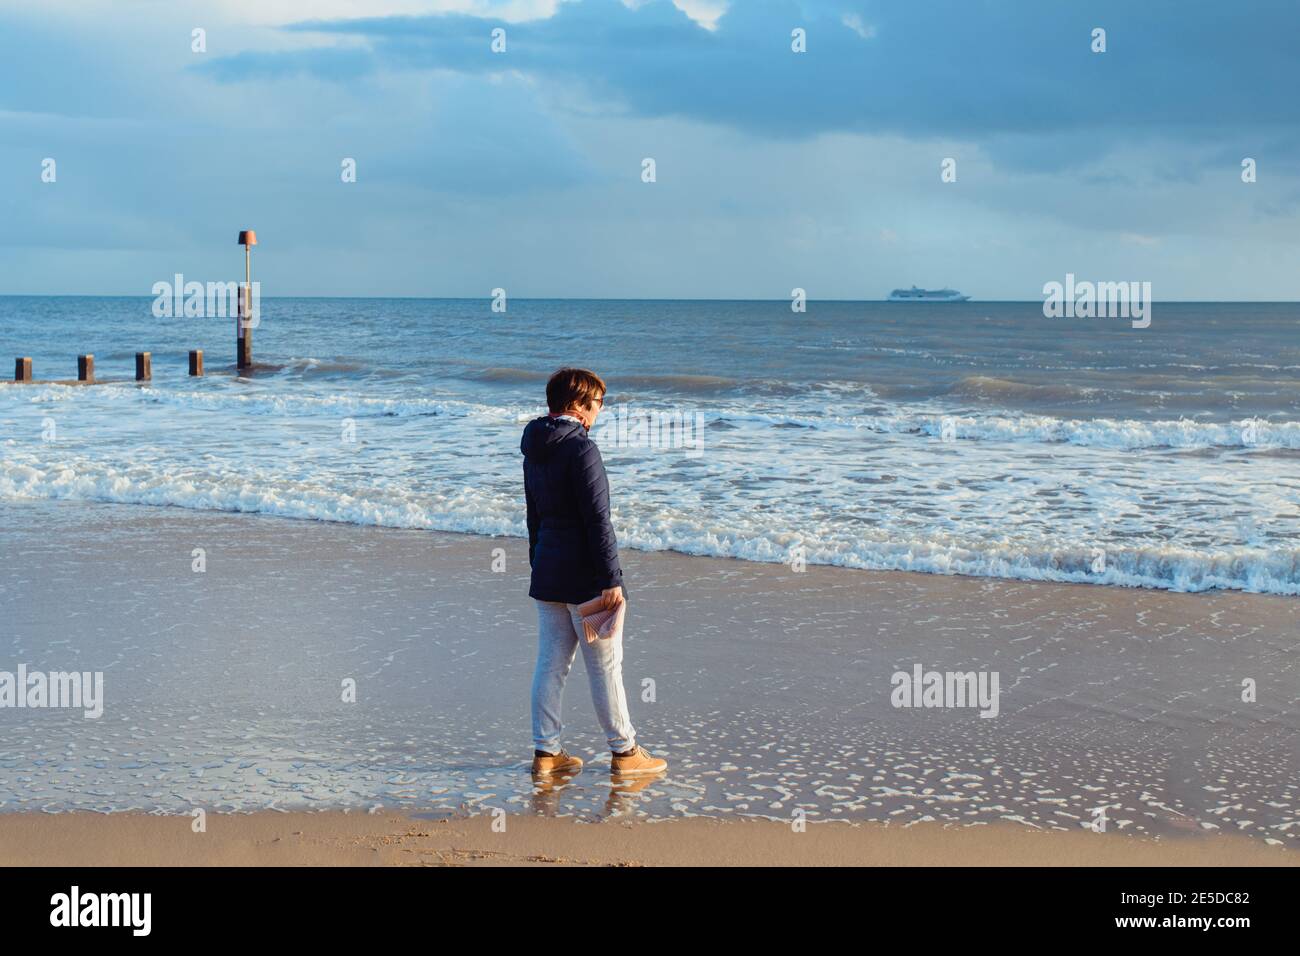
<point>974,438</point>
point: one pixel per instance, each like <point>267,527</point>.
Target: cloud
<point>946,67</point>
<point>704,12</point>
<point>264,12</point>
<point>1137,239</point>
<point>776,169</point>
<point>338,64</point>
<point>855,23</point>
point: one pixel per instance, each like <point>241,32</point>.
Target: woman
<point>574,557</point>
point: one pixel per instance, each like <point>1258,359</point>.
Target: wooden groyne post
<point>243,328</point>
<point>86,369</point>
<point>244,320</point>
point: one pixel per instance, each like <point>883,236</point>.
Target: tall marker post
<point>243,326</point>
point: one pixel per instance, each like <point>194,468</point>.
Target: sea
<point>976,438</point>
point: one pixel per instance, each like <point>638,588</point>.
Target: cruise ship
<point>926,295</point>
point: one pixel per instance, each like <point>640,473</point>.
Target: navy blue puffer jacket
<point>571,544</point>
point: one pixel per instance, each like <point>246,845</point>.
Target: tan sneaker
<point>636,762</point>
<point>556,763</point>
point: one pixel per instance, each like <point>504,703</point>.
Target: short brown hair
<point>573,386</point>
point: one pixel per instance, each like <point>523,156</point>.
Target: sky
<point>774,169</point>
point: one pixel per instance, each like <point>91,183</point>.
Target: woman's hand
<point>612,598</point>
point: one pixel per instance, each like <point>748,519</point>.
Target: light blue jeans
<point>559,629</point>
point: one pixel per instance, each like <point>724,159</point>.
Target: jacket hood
<point>543,435</point>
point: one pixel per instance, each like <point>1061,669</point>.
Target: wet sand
<point>768,690</point>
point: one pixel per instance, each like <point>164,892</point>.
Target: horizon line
<point>599,298</point>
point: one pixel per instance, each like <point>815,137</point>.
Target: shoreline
<point>333,838</point>
<point>768,690</point>
<point>309,519</point>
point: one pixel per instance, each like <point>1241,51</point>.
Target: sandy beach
<point>385,839</point>
<point>768,690</point>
